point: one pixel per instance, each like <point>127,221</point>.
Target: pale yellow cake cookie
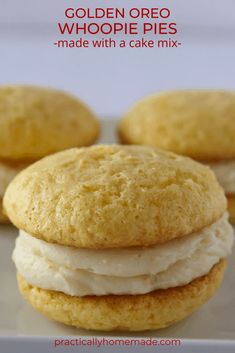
<point>36,121</point>
<point>195,123</point>
<point>154,310</point>
<point>114,196</point>
<point>8,171</point>
<point>118,237</point>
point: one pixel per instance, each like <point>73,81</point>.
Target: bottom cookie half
<point>125,312</point>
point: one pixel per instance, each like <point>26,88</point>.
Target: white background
<point>110,80</point>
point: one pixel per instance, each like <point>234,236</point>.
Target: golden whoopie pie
<point>35,122</point>
<point>118,237</point>
<point>195,123</point>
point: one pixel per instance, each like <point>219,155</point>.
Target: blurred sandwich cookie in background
<point>35,122</point>
<point>195,123</point>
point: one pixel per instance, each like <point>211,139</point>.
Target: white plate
<point>214,321</point>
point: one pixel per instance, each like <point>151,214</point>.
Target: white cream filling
<point>7,173</point>
<point>225,173</point>
<point>80,272</point>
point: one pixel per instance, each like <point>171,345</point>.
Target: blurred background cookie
<point>37,121</point>
<point>196,123</point>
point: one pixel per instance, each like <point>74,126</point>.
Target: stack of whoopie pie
<point>118,237</point>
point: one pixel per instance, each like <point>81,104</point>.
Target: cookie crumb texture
<point>195,123</point>
<point>36,121</point>
<point>155,310</point>
<point>114,196</point>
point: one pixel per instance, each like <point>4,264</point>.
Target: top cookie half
<point>36,121</point>
<point>196,123</point>
<point>114,196</point>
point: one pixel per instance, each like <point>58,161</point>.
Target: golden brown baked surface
<point>195,123</point>
<point>128,313</point>
<point>36,121</point>
<point>114,196</point>
<point>231,208</point>
<point>3,217</point>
